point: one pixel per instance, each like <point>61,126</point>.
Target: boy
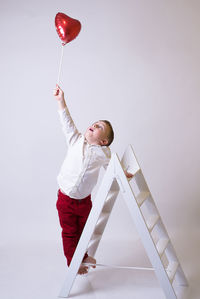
<point>78,176</point>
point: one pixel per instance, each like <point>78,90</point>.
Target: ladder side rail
<point>142,186</point>
<point>138,175</point>
<point>88,230</point>
<point>171,254</point>
<point>129,161</point>
<point>144,233</point>
<point>141,182</point>
<point>160,227</point>
<point>102,220</point>
<point>180,275</point>
<point>170,250</point>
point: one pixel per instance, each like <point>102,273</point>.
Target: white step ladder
<point>145,216</point>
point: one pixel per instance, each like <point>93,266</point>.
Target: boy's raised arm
<point>68,126</point>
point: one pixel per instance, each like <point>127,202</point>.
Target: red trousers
<point>73,214</point>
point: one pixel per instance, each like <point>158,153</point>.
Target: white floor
<point>37,270</point>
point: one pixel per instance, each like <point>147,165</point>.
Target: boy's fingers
<point>58,87</point>
<point>55,92</point>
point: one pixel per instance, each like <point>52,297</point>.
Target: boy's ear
<point>104,141</point>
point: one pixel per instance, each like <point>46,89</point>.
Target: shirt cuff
<point>60,111</point>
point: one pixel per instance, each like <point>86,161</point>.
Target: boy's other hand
<point>128,175</point>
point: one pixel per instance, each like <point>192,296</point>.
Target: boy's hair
<point>111,132</point>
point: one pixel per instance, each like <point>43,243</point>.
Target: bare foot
<point>90,260</point>
<point>83,270</point>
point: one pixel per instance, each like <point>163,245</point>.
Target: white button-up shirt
<point>80,169</point>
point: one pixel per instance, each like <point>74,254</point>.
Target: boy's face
<point>97,133</point>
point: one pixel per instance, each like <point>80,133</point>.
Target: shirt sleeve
<point>69,129</point>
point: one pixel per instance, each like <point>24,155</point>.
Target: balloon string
<point>117,267</point>
<point>60,65</point>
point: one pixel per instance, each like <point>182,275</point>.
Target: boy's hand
<point>58,93</point>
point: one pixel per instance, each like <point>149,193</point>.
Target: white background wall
<point>135,63</point>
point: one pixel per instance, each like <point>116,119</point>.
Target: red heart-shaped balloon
<point>66,27</point>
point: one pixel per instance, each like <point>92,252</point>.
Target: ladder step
<point>171,270</point>
<point>151,221</point>
<point>101,223</point>
<point>142,196</point>
<point>162,245</point>
<point>108,205</point>
<point>95,239</point>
